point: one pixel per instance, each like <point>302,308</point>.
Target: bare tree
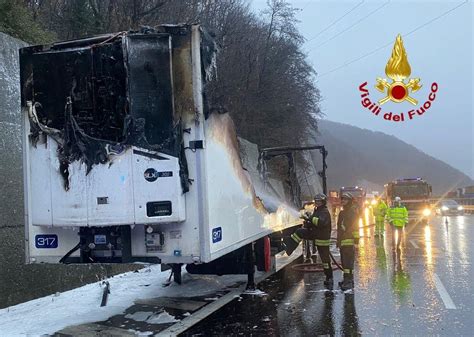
<point>264,80</point>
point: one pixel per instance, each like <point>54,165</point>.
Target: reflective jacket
<point>321,225</point>
<point>347,225</point>
<point>397,216</point>
<point>380,210</point>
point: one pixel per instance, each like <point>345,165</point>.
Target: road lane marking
<point>413,243</point>
<point>448,302</point>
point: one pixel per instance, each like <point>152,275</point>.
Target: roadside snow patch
<point>47,315</point>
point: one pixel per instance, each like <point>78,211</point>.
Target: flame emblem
<point>398,69</point>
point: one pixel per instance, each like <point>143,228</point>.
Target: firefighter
<point>397,216</point>
<point>317,227</point>
<point>347,237</point>
<point>380,210</point>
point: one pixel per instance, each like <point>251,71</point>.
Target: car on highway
<point>449,207</point>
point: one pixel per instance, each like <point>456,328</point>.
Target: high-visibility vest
<point>398,216</point>
<point>380,210</point>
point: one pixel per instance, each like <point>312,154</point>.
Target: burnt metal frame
<point>290,151</point>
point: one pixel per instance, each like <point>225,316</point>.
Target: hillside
<point>363,157</point>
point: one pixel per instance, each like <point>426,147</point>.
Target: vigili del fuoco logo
<point>400,89</point>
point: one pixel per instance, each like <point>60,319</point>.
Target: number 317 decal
<point>46,241</point>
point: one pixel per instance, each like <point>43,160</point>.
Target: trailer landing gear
<point>251,281</point>
<point>176,272</point>
<point>249,261</point>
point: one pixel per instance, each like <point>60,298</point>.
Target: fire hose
<point>315,267</point>
<point>334,261</point>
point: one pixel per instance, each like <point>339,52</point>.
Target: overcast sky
<point>438,50</point>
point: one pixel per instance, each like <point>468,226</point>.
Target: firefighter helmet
<point>347,195</point>
<point>320,197</point>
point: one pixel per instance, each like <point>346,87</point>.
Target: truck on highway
<point>415,194</point>
<point>124,160</point>
<point>357,192</point>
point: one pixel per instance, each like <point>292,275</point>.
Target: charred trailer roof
<point>112,90</point>
<point>124,76</point>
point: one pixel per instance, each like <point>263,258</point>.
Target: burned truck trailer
<point>123,161</point>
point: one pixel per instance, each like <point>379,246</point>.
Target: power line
<point>355,60</point>
<point>436,18</point>
<point>391,43</point>
<point>336,21</point>
<point>353,25</point>
<point>306,5</point>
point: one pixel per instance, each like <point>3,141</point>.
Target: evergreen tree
<point>78,20</point>
<point>17,20</point>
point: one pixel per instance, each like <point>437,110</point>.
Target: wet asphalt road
<point>425,288</point>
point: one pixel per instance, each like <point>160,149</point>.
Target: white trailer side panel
<point>69,208</point>
<point>40,182</point>
<point>233,217</point>
<point>163,184</point>
<point>50,244</point>
<point>109,192</point>
<point>236,215</point>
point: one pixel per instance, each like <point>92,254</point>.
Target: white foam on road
<point>161,318</point>
<point>256,292</point>
<point>448,302</point>
<point>152,317</point>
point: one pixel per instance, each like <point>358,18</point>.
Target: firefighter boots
<point>328,283</point>
<point>347,283</point>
